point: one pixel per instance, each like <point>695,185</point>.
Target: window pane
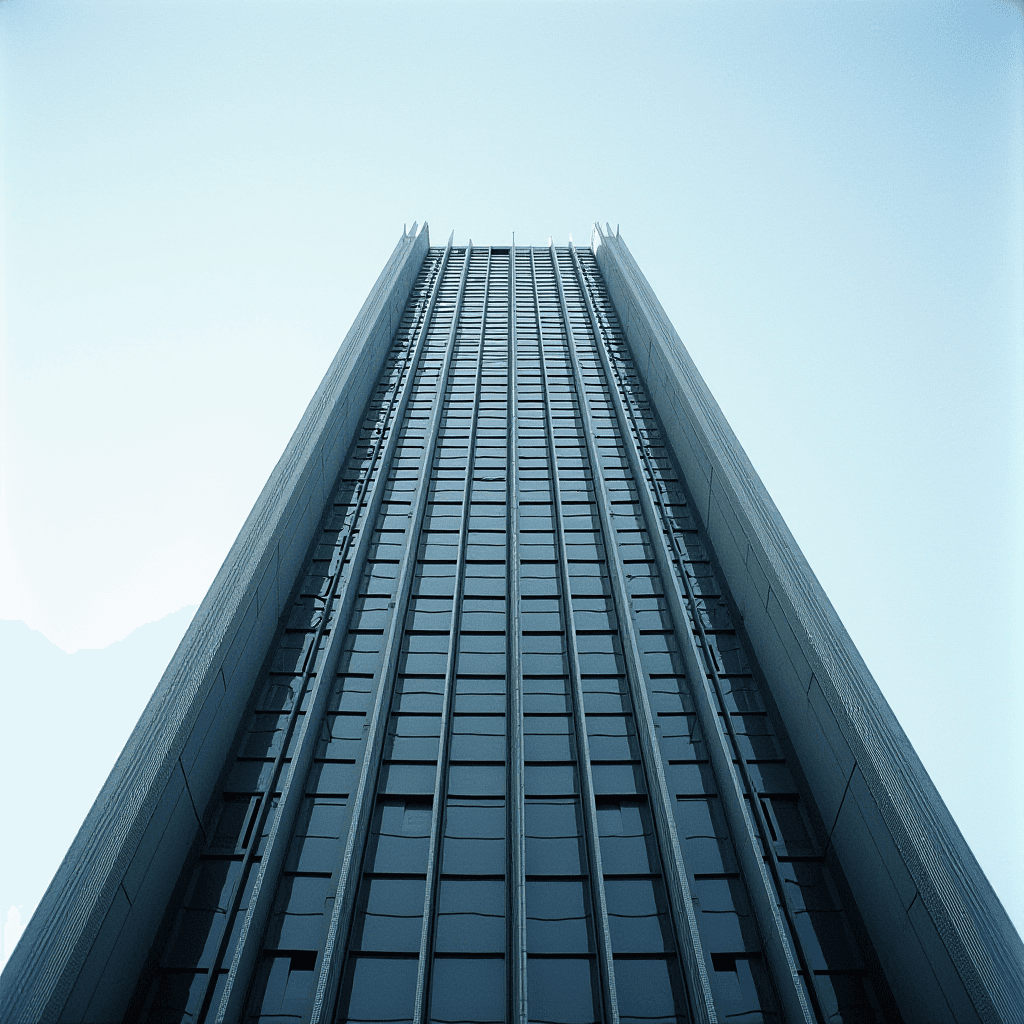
<point>467,991</point>
<point>742,990</point>
<point>419,695</point>
<point>626,834</point>
<point>638,916</point>
<point>471,917</point>
<point>376,989</point>
<point>553,838</point>
<point>283,990</point>
<point>553,780</point>
<point>316,842</point>
<point>650,992</point>
<point>297,920</point>
<point>562,991</point>
<point>476,780</point>
<point>390,915</point>
<point>478,738</point>
<point>548,738</point>
<point>474,837</point>
<point>558,917</point>
<point>402,836</point>
<point>413,737</point>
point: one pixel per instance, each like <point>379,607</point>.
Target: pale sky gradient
<point>825,196</point>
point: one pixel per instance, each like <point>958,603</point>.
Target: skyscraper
<point>515,700</point>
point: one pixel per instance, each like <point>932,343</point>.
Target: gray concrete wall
<point>81,953</point>
<point>945,943</point>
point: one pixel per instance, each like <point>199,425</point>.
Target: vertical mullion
<point>516,790</point>
<point>329,978</point>
<point>441,775</point>
<point>246,947</point>
<point>684,916</point>
<point>745,819</point>
<point>585,774</point>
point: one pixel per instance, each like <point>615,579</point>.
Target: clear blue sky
<point>825,196</point>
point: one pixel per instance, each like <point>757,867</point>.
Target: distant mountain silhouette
<point>65,719</point>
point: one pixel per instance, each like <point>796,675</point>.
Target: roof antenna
<point>616,230</point>
<point>405,231</point>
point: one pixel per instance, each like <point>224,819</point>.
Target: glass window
<point>638,915</point>
<point>419,694</point>
<point>543,655</point>
<point>611,738</point>
<point>755,736</point>
<point>341,736</point>
<point>822,926</point>
<point>847,997</point>
<point>429,613</point>
<point>467,991</point>
<point>606,696</point>
<point>479,696</point>
<point>725,921</point>
<point>378,989</point>
<point>707,848</point>
<point>481,614</point>
<point>317,839</point>
<point>474,837</point>
<point>432,581</point>
<point>545,696</point>
<point>401,836</point>
<point>550,780</point>
<point>298,914</point>
<point>389,917</point>
<point>650,992</point>
<point>484,655</point>
<point>741,989</point>
<point>413,737</point>
<point>476,780</point>
<point>562,990</point>
<point>670,695</point>
<point>617,779</point>
<point>471,916</point>
<point>553,843</point>
<point>478,738</point>
<point>548,738</point>
<point>352,693</point>
<point>558,916</point>
<point>265,735</point>
<point>627,840</point>
<point>593,613</point>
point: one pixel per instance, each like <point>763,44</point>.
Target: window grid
<point>576,755</point>
<point>508,804</point>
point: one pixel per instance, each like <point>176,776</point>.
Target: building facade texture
<point>516,701</point>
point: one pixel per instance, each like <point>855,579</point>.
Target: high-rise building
<point>515,700</point>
